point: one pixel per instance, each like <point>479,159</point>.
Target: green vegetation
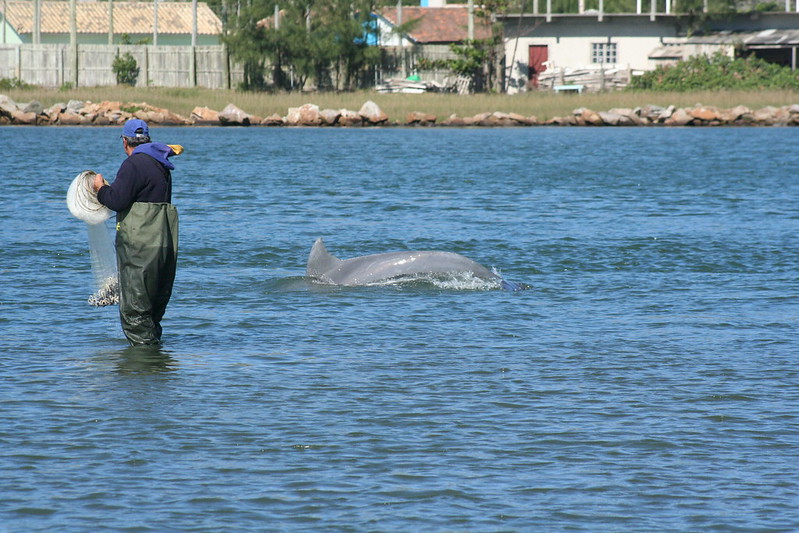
<point>326,44</point>
<point>543,105</point>
<point>7,84</point>
<point>717,72</point>
<point>323,41</point>
<point>126,69</point>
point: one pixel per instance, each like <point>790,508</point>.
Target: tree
<point>310,39</point>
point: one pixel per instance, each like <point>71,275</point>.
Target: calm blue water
<point>647,381</point>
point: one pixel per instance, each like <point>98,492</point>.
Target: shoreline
<point>108,113</point>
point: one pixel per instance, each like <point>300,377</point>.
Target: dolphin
<point>378,267</point>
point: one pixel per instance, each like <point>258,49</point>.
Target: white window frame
<point>604,53</point>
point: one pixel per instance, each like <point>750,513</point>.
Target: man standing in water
<point>147,231</point>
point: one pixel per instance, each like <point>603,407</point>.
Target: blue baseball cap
<point>135,127</point>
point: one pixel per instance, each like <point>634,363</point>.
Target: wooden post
<point>470,6</point>
<point>155,22</point>
<point>73,40</point>
<point>193,23</point>
<point>110,22</point>
<point>403,71</point>
<point>37,21</point>
<point>193,65</point>
<point>226,66</point>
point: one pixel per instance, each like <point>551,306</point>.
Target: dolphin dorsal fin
<point>320,260</point>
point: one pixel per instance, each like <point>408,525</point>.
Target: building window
<point>603,52</point>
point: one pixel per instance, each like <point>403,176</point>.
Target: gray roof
<point>752,39</point>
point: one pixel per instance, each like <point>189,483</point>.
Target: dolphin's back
<point>377,267</point>
<point>320,261</point>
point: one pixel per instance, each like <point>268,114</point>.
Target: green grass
<point>543,105</point>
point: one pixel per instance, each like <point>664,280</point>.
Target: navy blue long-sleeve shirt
<point>143,177</point>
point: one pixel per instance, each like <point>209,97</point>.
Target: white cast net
<point>83,204</point>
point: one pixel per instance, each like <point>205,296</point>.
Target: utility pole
<point>471,19</point>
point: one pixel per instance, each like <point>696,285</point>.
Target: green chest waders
<point>147,253</point>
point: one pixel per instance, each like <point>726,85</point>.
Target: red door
<point>539,54</point>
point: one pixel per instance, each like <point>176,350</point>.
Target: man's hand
<point>99,181</point>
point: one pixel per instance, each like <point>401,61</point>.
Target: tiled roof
<point>438,24</point>
<point>129,17</point>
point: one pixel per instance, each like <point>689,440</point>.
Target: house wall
<point>570,38</point>
<point>102,38</point>
<point>7,33</point>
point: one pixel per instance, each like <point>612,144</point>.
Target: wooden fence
<point>57,65</point>
<point>54,65</point>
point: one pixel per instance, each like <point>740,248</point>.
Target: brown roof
<point>129,17</point>
<point>438,24</point>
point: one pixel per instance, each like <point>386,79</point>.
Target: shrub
<point>126,69</point>
<point>13,83</point>
<point>717,72</point>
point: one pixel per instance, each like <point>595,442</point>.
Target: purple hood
<point>158,151</point>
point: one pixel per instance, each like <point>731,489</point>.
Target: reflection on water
<point>144,359</point>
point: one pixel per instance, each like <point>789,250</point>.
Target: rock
<point>20,117</point>
<point>204,116</point>
<point>33,107</point>
<point>419,118</point>
<point>233,116</point>
<point>707,114</point>
<point>731,115</point>
<point>305,115</point>
<point>55,109</point>
<point>680,117</point>
<point>371,113</point>
<point>150,117</point>
<point>103,120</point>
<point>350,118</point>
<point>610,119</point>
<point>591,117</point>
<point>7,102</point>
<point>68,118</point>
<point>7,106</point>
<point>75,106</point>
<point>666,114</point>
<point>309,115</point>
<point>766,116</point>
<point>330,117</point>
<point>453,120</point>
<point>500,118</point>
<point>272,120</point>
<point>651,112</point>
<point>521,120</point>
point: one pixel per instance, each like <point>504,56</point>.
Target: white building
<point>551,50</point>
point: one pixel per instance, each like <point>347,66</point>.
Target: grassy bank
<point>543,105</point>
